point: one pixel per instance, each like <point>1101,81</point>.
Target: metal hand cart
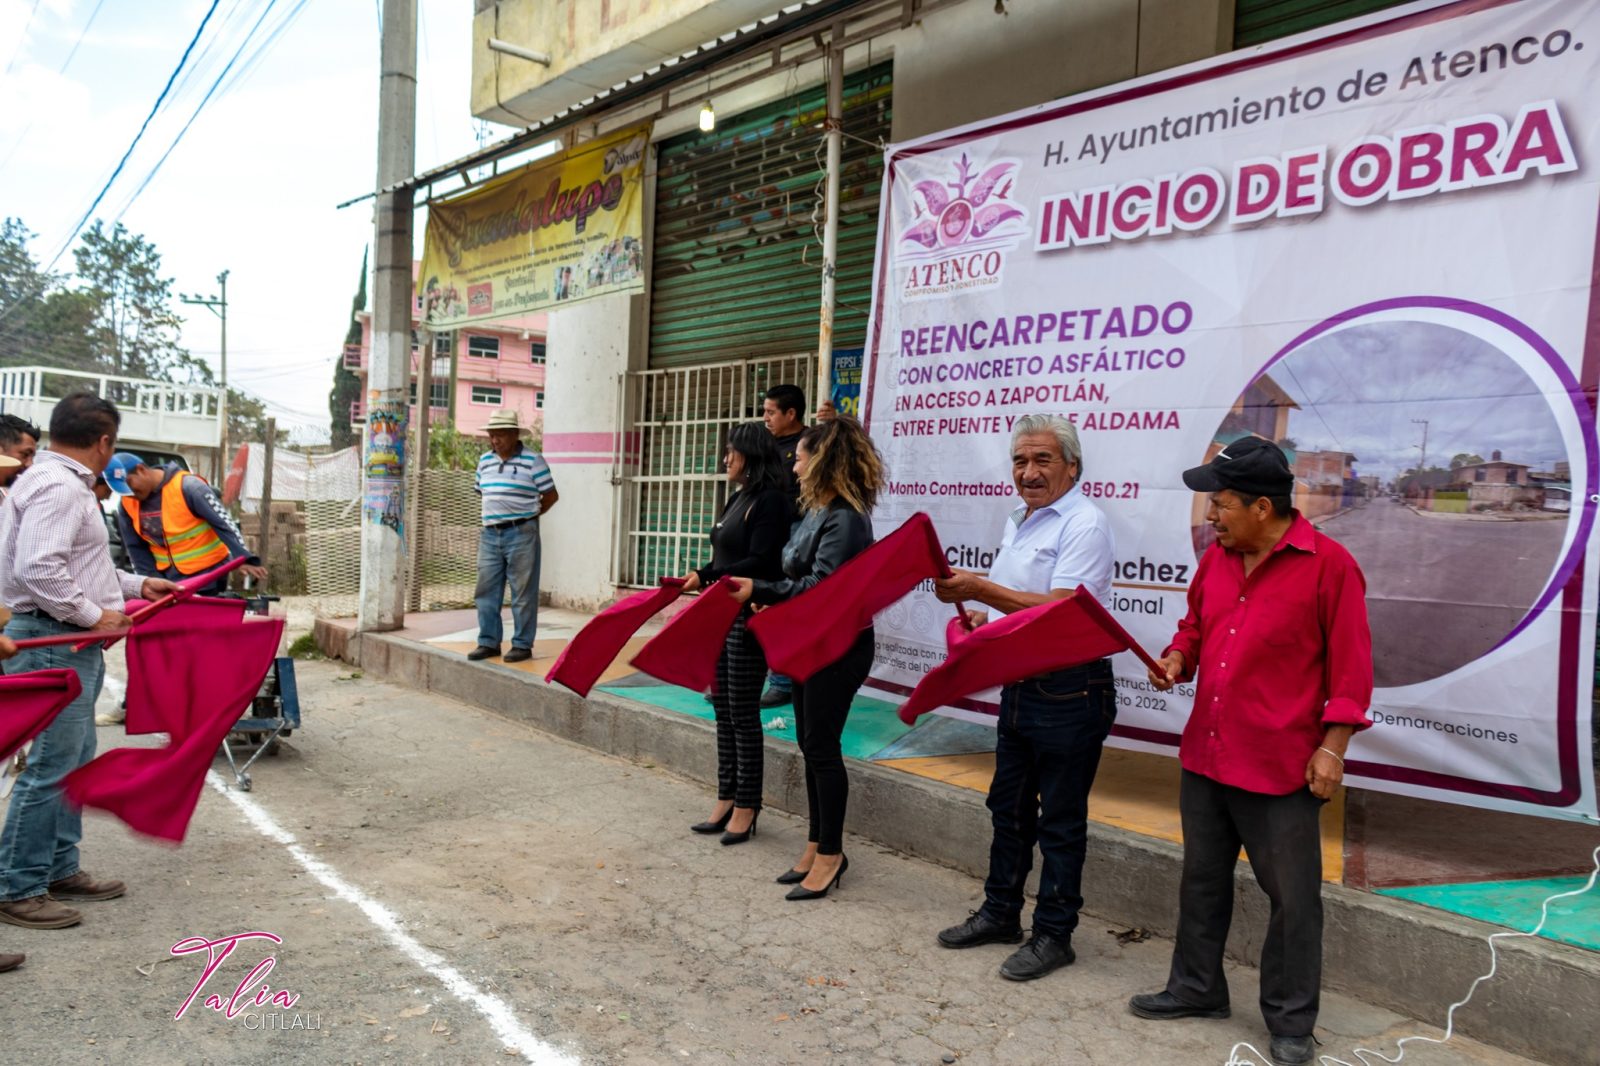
<point>273,715</point>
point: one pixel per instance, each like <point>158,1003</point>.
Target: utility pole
<point>834,127</point>
<point>383,545</point>
<point>218,305</point>
<point>264,541</point>
<point>1422,464</point>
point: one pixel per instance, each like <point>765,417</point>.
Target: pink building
<point>498,365</point>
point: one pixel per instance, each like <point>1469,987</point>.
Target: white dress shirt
<point>1059,546</point>
<point>55,556</point>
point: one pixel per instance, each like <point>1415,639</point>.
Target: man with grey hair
<point>1051,726</point>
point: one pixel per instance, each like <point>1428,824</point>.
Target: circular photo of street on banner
<point>1442,448</point>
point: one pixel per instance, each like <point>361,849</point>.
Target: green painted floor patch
<point>873,724</point>
<point>1515,905</point>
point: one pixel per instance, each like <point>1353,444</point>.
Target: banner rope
<point>1234,1058</point>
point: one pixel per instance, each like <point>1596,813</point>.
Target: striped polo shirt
<point>511,487</point>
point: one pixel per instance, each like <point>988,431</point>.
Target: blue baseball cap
<point>117,470</point>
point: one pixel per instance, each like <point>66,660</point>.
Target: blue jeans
<point>1050,733</point>
<point>40,841</point>
<point>508,555</point>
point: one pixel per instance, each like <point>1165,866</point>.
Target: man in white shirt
<point>56,576</point>
<point>1052,726</point>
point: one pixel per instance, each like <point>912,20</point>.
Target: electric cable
<point>22,38</point>
<point>1361,1053</point>
<point>77,229</point>
<point>65,63</point>
<point>201,106</point>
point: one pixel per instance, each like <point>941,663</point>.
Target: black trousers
<point>740,673</point>
<point>1282,836</point>
<point>1047,749</point>
<point>821,705</point>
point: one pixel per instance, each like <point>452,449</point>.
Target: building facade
<point>649,385</point>
<point>474,373</point>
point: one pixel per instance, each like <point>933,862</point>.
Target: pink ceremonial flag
<point>598,644</point>
<point>685,652</point>
<point>30,702</point>
<point>802,635</point>
<point>203,665</point>
<point>151,708</point>
<point>1051,636</point>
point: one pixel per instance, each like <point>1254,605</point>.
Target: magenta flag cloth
<point>31,701</point>
<point>686,650</point>
<point>1051,636</point>
<point>802,635</point>
<point>151,708</point>
<point>598,644</point>
<point>203,665</point>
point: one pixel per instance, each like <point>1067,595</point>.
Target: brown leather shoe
<point>40,912</point>
<point>80,887</point>
<point>10,962</point>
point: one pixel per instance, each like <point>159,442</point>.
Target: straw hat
<point>505,418</point>
<point>6,462</point>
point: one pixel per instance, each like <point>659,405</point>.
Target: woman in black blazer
<point>840,475</point>
<point>746,542</point>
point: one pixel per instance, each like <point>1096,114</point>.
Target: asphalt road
<point>452,887</point>
<point>1443,590</point>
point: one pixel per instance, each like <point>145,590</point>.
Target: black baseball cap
<point>1251,466</point>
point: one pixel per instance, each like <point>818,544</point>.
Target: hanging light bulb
<point>708,118</point>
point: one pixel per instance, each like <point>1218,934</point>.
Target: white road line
<point>496,1010</point>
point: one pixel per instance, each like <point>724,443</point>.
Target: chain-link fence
<point>442,524</point>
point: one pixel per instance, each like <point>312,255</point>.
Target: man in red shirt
<point>1277,633</point>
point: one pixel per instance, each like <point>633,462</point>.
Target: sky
<point>1360,389</point>
<point>252,186</point>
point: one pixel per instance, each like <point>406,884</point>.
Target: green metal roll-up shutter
<point>738,256</point>
<point>1255,21</point>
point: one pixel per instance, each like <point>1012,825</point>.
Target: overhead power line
<point>78,228</point>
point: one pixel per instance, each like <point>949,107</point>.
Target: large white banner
<point>1375,247</point>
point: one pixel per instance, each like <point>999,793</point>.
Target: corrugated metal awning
<point>737,253</point>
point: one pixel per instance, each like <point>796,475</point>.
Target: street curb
<point>1407,958</point>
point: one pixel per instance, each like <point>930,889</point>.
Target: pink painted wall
<point>518,379</point>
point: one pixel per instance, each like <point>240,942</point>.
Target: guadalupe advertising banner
<point>1373,246</point>
<point>547,234</point>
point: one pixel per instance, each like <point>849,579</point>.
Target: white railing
<point>153,412</point>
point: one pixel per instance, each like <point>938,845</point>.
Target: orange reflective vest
<point>191,544</point>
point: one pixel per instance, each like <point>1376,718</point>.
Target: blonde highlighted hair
<point>844,464</point>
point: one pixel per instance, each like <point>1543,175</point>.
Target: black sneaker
<point>518,655</point>
<point>482,652</point>
<point>775,697</point>
<point>1293,1050</point>
<point>979,929</point>
<point>1039,956</point>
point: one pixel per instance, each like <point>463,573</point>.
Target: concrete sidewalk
<point>1410,958</point>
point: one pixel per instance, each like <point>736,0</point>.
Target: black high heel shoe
<point>740,838</point>
<point>713,827</point>
<point>801,892</point>
<point>791,876</point>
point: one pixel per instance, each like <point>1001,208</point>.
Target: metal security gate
<point>1256,21</point>
<point>737,269</point>
<point>681,419</point>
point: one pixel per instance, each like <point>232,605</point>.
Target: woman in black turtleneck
<point>747,541</point>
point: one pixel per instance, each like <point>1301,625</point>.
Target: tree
<point>347,385</point>
<point>1460,459</point>
<point>41,324</point>
<point>135,330</point>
